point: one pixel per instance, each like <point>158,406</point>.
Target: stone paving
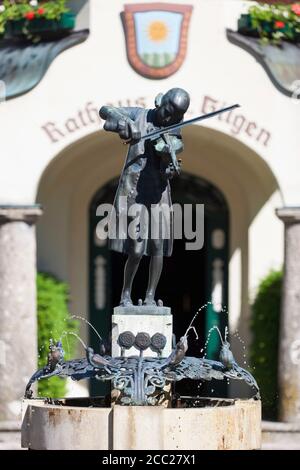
<point>10,440</point>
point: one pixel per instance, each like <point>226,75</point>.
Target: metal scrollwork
<point>138,378</point>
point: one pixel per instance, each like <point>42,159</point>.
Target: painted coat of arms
<point>156,37</point>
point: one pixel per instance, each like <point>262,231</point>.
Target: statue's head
<point>171,106</point>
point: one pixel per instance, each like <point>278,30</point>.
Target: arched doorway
<point>189,278</point>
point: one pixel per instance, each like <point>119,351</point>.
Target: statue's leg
<point>130,270</point>
<point>155,268</point>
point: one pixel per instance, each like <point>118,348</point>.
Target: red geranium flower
<point>279,24</point>
<point>29,15</point>
<point>296,8</point>
<point>41,11</point>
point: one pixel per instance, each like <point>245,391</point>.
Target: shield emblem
<point>156,37</point>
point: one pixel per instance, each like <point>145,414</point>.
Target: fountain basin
<point>73,424</point>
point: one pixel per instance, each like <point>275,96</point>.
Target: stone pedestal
<point>289,349</point>
<point>142,319</point>
<point>18,346</point>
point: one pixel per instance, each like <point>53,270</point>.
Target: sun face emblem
<point>156,37</point>
<point>157,31</point>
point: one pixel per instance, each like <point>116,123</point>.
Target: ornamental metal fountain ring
<point>139,378</point>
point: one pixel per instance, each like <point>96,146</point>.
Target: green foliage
<point>264,347</point>
<point>276,22</point>
<point>53,320</point>
<point>14,10</point>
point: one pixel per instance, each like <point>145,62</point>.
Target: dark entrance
<point>189,279</point>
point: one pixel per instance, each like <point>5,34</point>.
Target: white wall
<point>98,72</point>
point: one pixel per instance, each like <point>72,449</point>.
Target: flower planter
<point>41,27</point>
<point>245,25</point>
<point>246,28</point>
<point>291,33</point>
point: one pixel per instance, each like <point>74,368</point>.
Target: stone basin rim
<point>231,402</point>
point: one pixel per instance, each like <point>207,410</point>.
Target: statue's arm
<point>107,111</point>
<point>120,120</point>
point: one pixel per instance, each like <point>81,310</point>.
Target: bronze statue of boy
<point>144,184</point>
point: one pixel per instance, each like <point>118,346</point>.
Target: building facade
<point>58,165</point>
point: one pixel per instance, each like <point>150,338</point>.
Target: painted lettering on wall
<point>235,122</point>
<point>87,116</point>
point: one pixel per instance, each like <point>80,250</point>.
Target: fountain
<point>143,361</point>
<point>141,381</point>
